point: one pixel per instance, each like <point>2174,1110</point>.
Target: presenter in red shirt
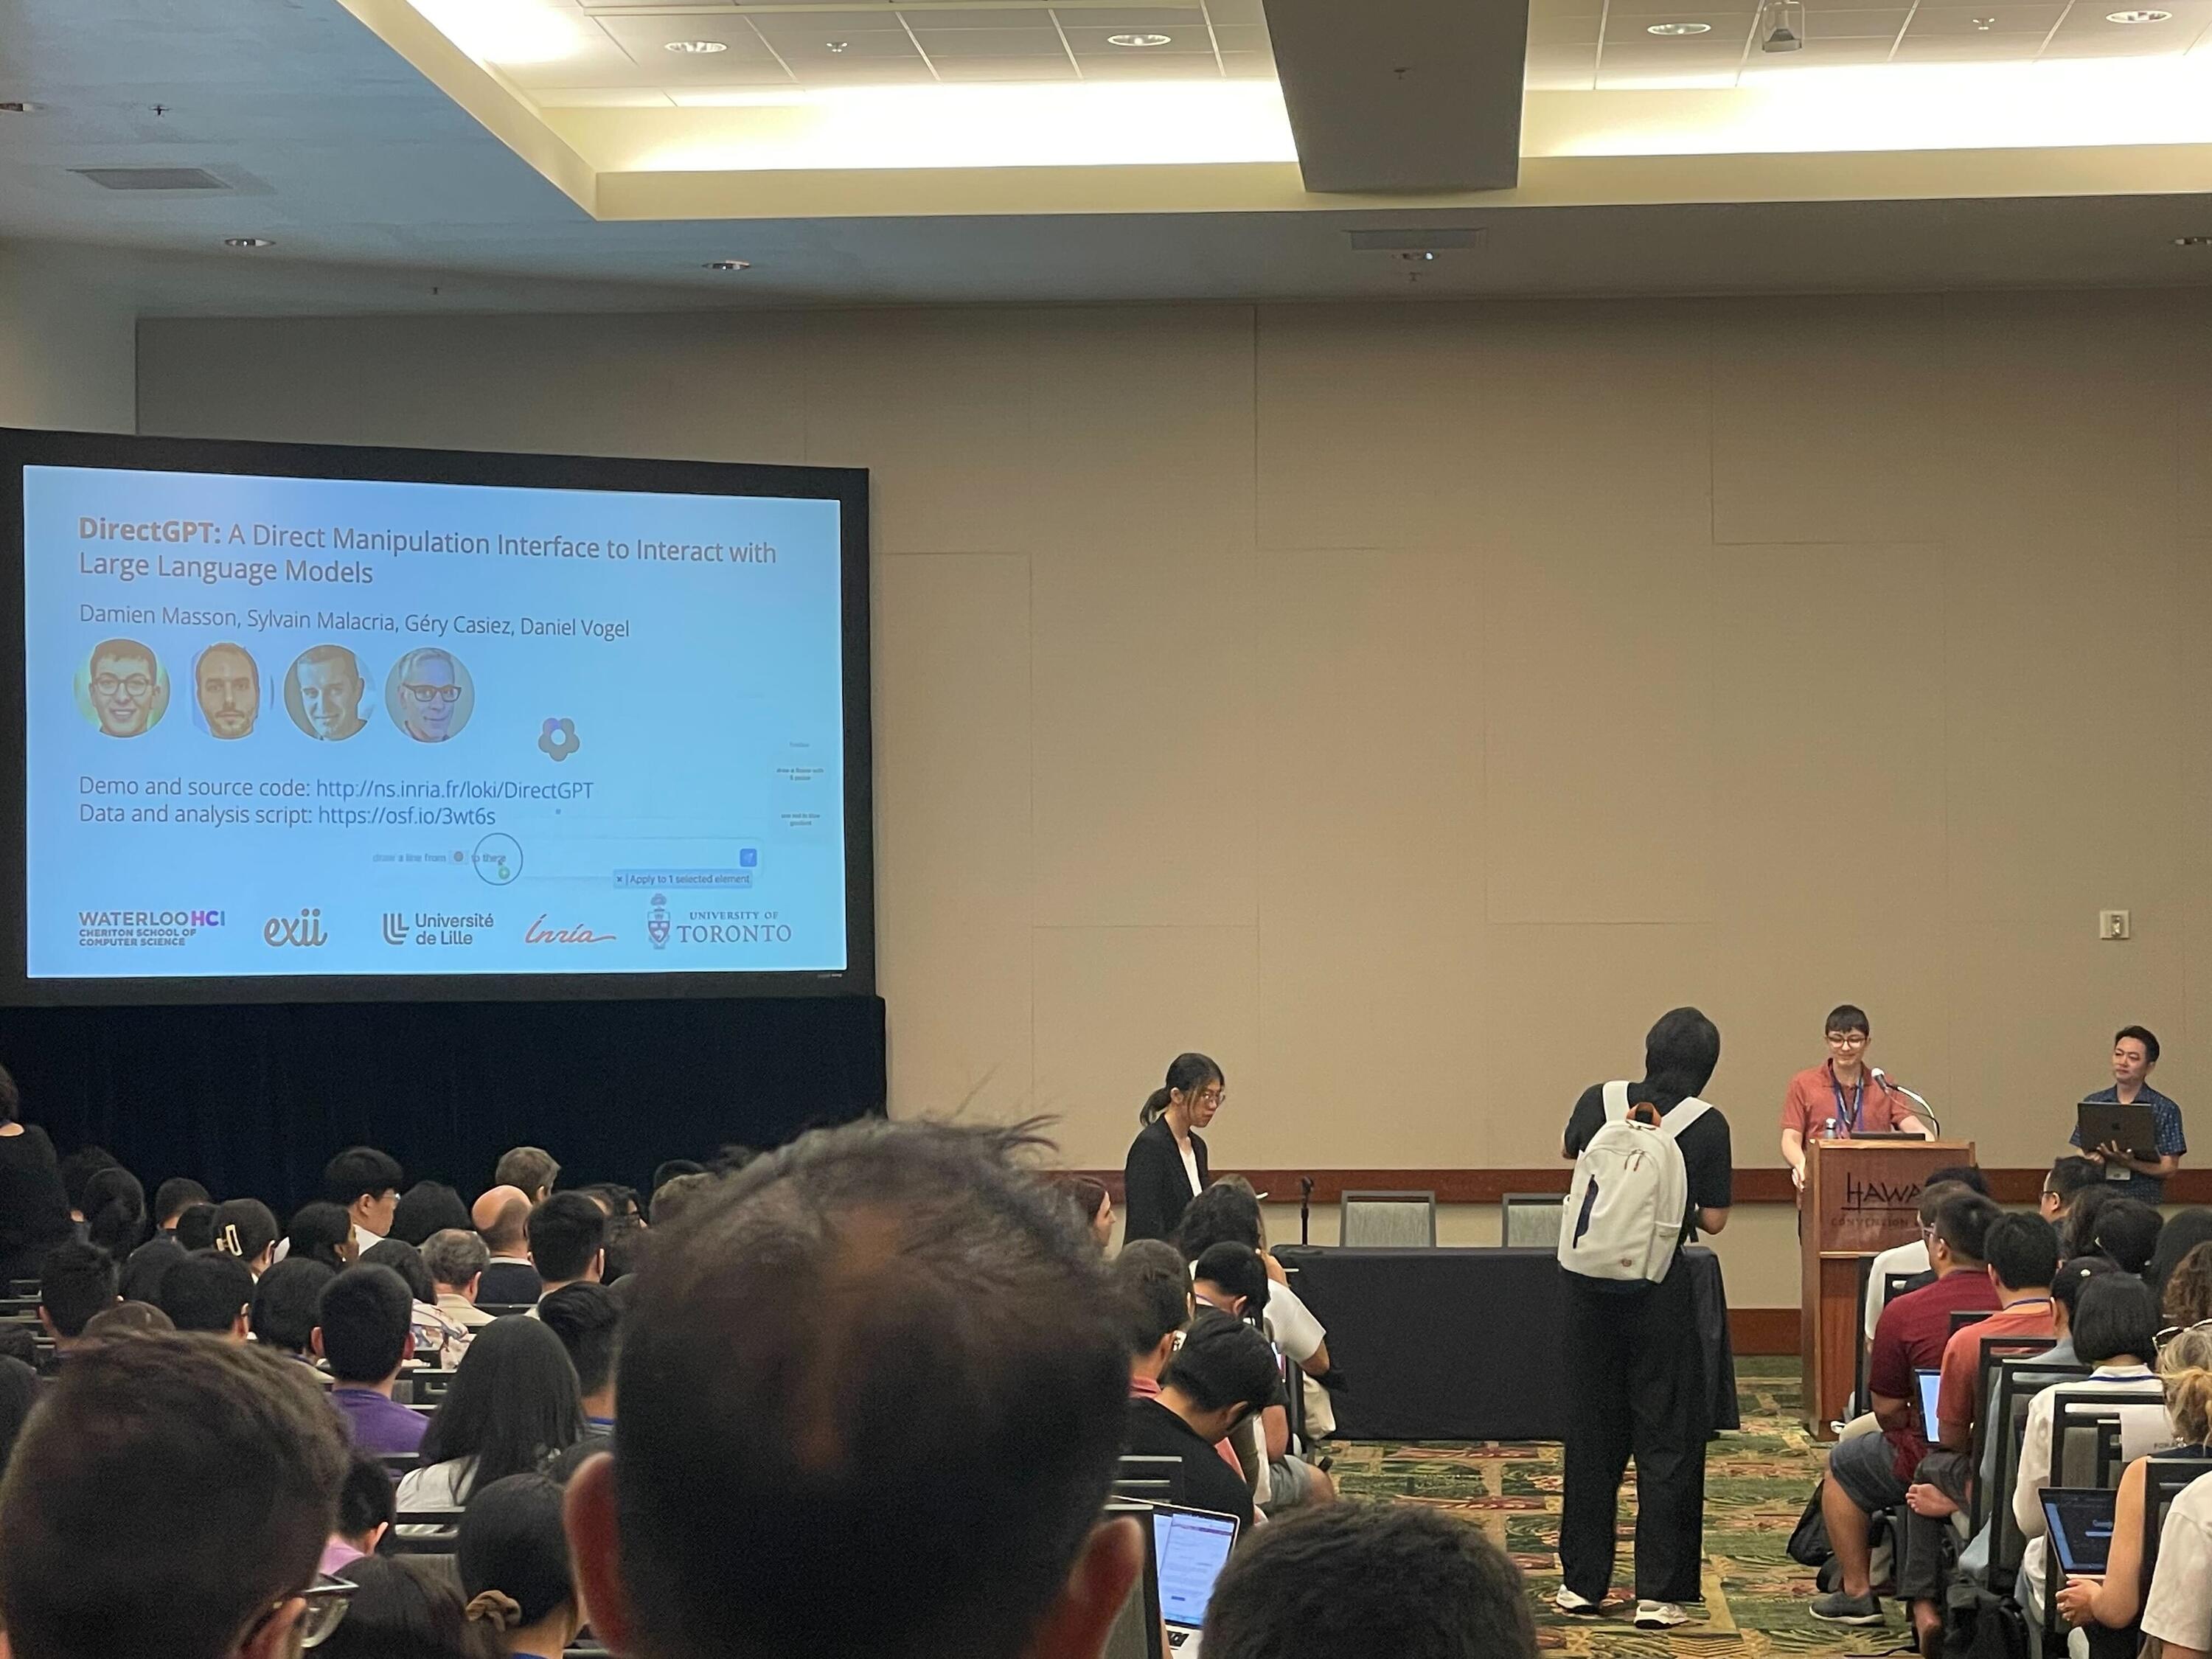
<point>1840,1098</point>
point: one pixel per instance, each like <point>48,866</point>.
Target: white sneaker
<point>1567,1601</point>
<point>1659,1615</point>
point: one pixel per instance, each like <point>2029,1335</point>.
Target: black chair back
<point>1992,1350</point>
<point>1962,1317</point>
<point>2165,1479</point>
<point>502,1309</point>
<point>1137,1467</point>
<point>2017,1383</point>
<point>398,1463</point>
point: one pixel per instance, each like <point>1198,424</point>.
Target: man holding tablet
<point>2134,1055</point>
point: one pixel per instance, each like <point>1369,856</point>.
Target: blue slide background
<point>711,837</point>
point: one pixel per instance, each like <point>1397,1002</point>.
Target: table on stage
<point>1452,1344</point>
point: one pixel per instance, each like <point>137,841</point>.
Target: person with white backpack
<point>1652,1168</point>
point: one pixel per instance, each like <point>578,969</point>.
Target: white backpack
<point>1630,1194</point>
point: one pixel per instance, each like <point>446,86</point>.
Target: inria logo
<point>304,931</point>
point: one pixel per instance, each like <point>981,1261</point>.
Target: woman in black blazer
<point>1166,1167</point>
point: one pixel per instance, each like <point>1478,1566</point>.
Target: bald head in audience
<point>878,1324</point>
<point>502,1216</point>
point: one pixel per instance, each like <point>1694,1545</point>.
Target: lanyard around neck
<point>1848,1116</point>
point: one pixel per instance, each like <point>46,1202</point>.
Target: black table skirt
<point>1465,1344</point>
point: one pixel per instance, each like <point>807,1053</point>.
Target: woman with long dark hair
<point>512,1404</point>
<point>1166,1167</point>
<point>115,1211</point>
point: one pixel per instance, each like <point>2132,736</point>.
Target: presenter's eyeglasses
<point>107,684</point>
<point>427,695</point>
<point>1848,1039</point>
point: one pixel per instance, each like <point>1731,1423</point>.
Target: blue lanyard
<point>1847,1117</point>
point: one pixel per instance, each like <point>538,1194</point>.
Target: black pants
<point>1636,1385</point>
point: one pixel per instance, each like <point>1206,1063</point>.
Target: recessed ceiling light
<point>1139,39</point>
<point>2192,241</point>
<point>729,265</point>
<point>247,241</point>
<point>2137,16</point>
<point>1985,24</point>
<point>1680,28</point>
<point>837,45</point>
<point>699,46</point>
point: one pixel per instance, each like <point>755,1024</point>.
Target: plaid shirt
<point>2166,1117</point>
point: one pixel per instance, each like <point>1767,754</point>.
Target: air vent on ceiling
<point>152,178</point>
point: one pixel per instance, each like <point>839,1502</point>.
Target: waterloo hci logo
<point>656,921</point>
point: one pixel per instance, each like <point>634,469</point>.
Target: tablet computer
<point>2107,1123</point>
<point>2081,1519</point>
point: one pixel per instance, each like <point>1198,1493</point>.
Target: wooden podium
<point>1860,1197</point>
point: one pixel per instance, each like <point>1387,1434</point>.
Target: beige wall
<point>66,357</point>
<point>1407,703</point>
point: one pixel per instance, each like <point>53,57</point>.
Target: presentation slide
<point>284,726</point>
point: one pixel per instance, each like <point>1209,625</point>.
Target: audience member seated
<point>77,1282</point>
<point>1155,1287</point>
<point>2023,1260</point>
<point>2187,1297</point>
<point>439,1340</point>
<point>502,1221</point>
<point>2065,1294</point>
<point>568,1234</point>
<point>2070,1177</point>
<point>1908,1261</point>
<point>171,1497</point>
<point>2112,1602</point>
<point>530,1170</point>
<point>1229,1212</point>
<point>625,1248</point>
<point>426,1207</point>
<point>35,1209</point>
<point>365,1512</point>
<point>808,1366</point>
<point>246,1227</point>
<point>1868,1474</point>
<point>77,1171</point>
<point>456,1258</point>
<point>288,1305</point>
<point>2116,1335</point>
<point>403,1609</point>
<point>1356,1580</point>
<point>1230,1278</point>
<point>362,1332</point>
<point>210,1292</point>
<point>2179,1612</point>
<point>195,1228</point>
<point>512,1406</point>
<point>19,1392</point>
<point>1094,1206</point>
<point>1224,1372</point>
<point>142,1273</point>
<point>672,1196</point>
<point>127,1319</point>
<point>513,1565</point>
<point>588,1321</point>
<point>2126,1229</point>
<point>666,1170</point>
<point>320,1232</point>
<point>2181,1234</point>
<point>115,1212</point>
<point>364,1183</point>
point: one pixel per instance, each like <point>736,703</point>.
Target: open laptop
<point>1931,1385</point>
<point>1190,1547</point>
<point>2081,1519</point>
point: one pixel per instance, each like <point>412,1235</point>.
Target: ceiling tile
<point>1249,65</point>
<point>1118,19</point>
<point>599,98</point>
<point>975,17</point>
<point>873,46</point>
<point>2062,46</point>
<point>1991,48</point>
<point>781,26</point>
<point>1153,66</point>
<point>1061,68</point>
<point>1727,32</point>
<point>1096,43</point>
<point>646,40</point>
<point>1241,36</point>
<point>969,43</point>
<point>2178,33</point>
<point>830,72</point>
<point>1818,54</point>
<point>1235,11</point>
<point>1550,31</point>
<point>1885,24</point>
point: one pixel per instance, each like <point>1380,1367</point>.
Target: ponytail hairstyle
<point>2184,1366</point>
<point>1187,1074</point>
<point>115,1211</point>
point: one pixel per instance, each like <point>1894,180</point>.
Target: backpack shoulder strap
<point>1616,1101</point>
<point>1688,1112</point>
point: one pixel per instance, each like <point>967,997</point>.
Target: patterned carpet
<point>1756,1482</point>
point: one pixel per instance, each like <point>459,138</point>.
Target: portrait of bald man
<point>228,683</point>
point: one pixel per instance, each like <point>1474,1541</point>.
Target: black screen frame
<point>847,486</point>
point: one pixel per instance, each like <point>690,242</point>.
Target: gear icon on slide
<point>558,739</point>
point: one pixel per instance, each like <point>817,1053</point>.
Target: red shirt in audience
<point>1962,1355</point>
<point>1910,1337</point>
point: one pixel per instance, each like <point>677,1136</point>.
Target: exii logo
<point>395,927</point>
<point>304,930</point>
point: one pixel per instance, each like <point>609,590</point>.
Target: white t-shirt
<point>2179,1610</point>
<point>1190,1168</point>
<point>2143,1430</point>
<point>437,1486</point>
<point>1901,1259</point>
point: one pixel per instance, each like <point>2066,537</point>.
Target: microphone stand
<point>1305,1209</point>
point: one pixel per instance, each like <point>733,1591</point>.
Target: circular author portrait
<point>123,689</point>
<point>428,695</point>
<point>226,685</point>
<point>324,692</point>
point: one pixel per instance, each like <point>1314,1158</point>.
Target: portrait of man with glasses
<point>429,695</point>
<point>1841,1096</point>
<point>125,687</point>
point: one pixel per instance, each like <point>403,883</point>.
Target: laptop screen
<point>2081,1520</point>
<point>1931,1384</point>
<point>1192,1547</point>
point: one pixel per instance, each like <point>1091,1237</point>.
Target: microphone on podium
<point>1888,1082</point>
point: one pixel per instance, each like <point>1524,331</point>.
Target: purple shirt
<point>377,1424</point>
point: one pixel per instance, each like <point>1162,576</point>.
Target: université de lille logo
<point>656,921</point>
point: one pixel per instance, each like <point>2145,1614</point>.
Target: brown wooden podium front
<point>1860,1197</point>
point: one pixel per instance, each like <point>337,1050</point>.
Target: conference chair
<point>22,1287</point>
<point>1962,1317</point>
<point>1862,1401</point>
<point>1994,1352</point>
<point>2085,1451</point>
<point>502,1309</point>
<point>2165,1479</point>
<point>431,1387</point>
<point>398,1463</point>
<point>1383,1220</point>
<point>2017,1384</point>
<point>1531,1220</point>
<point>422,1532</point>
<point>1137,1633</point>
<point>1138,1469</point>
